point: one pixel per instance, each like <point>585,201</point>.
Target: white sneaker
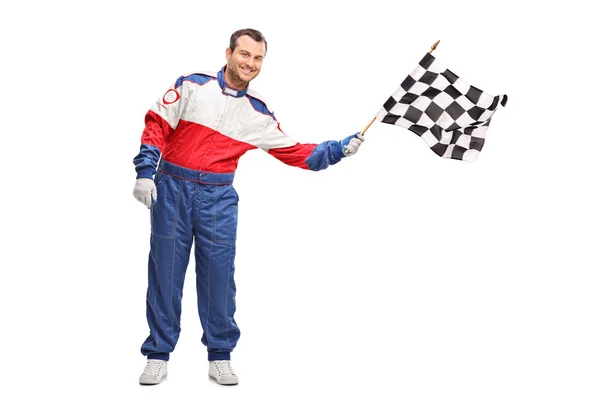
<point>221,371</point>
<point>154,373</point>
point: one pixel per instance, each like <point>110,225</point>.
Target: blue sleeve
<point>325,154</point>
<point>146,161</point>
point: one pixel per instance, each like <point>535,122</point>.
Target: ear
<point>227,53</point>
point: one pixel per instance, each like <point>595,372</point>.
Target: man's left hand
<point>352,143</point>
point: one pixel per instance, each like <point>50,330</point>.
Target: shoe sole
<point>224,384</point>
<point>153,383</point>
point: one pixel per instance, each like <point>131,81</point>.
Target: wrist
<point>147,172</point>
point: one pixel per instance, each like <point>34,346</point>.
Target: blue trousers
<point>201,208</point>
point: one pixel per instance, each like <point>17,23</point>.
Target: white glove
<point>352,143</point>
<point>145,191</point>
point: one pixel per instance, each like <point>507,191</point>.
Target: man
<point>196,134</point>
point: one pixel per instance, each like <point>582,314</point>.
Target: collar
<point>228,90</point>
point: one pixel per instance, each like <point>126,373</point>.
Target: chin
<point>247,78</point>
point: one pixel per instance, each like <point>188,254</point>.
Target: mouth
<point>247,71</point>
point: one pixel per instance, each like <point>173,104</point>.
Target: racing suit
<point>193,138</point>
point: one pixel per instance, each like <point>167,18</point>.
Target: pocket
<point>164,213</point>
<point>226,218</point>
<point>159,178</point>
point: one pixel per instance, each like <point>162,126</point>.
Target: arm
<point>314,157</point>
<point>160,121</point>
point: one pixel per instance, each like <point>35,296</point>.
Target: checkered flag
<point>448,113</point>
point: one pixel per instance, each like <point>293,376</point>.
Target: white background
<point>394,274</point>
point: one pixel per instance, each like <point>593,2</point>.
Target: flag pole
<point>367,127</point>
<point>433,47</point>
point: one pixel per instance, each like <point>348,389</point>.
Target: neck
<point>234,83</point>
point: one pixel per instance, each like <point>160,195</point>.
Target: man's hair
<point>253,33</point>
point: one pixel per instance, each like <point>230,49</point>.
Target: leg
<point>170,246</point>
<point>215,230</point>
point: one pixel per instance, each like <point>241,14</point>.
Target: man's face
<point>245,62</point>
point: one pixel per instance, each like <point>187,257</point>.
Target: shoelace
<point>224,367</point>
<point>152,367</point>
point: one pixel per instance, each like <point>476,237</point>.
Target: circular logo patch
<point>171,96</point>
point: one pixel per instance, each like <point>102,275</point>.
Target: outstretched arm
<point>314,157</point>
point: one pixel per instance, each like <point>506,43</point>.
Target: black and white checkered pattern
<point>448,113</point>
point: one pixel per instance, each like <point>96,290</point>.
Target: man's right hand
<point>145,191</point>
